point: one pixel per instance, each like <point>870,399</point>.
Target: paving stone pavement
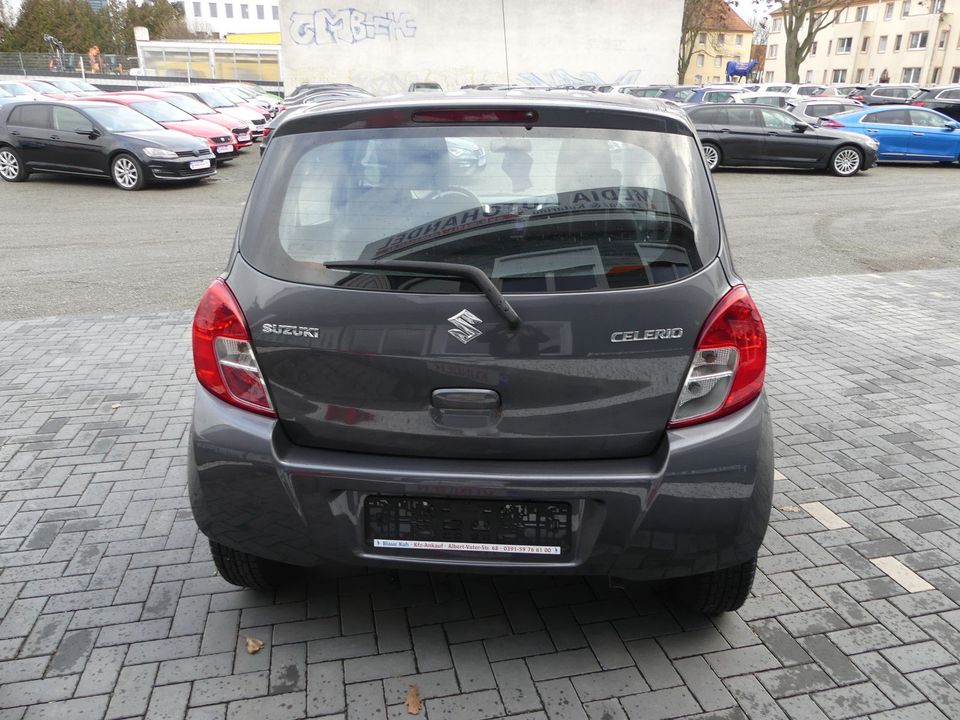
<point>111,607</point>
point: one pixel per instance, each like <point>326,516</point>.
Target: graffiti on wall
<point>563,78</point>
<point>349,26</point>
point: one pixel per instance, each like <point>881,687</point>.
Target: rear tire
<point>712,154</point>
<point>245,570</point>
<point>127,172</point>
<point>719,591</point>
<point>846,161</point>
<point>12,168</point>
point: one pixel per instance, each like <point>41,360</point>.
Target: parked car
<point>904,133</point>
<point>770,137</point>
<point>241,130</point>
<point>6,97</point>
<point>72,88</point>
<point>254,94</point>
<point>788,88</point>
<point>944,99</point>
<point>97,139</point>
<point>427,87</point>
<point>20,91</point>
<point>220,103</point>
<point>385,367</point>
<point>639,90</point>
<point>811,109</point>
<point>678,93</point>
<point>713,95</point>
<point>839,90</point>
<point>315,86</point>
<point>885,94</point>
<point>256,104</point>
<point>220,141</point>
<point>773,99</point>
<point>42,88</point>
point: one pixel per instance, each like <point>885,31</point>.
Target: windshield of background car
<point>4,93</point>
<point>188,104</point>
<point>84,85</point>
<point>215,99</point>
<point>160,111</point>
<point>118,118</point>
<point>18,89</point>
<point>549,210</point>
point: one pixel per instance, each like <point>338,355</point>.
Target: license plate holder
<point>199,164</point>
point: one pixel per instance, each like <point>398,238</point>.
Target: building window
<point>888,11</point>
<point>196,9</point>
<point>862,13</point>
<point>259,12</point>
<point>809,78</point>
<point>716,78</point>
<point>911,75</point>
<point>813,48</point>
<point>721,38</point>
<point>839,76</point>
<point>905,10</point>
<point>718,61</point>
<point>942,41</point>
<point>897,42</point>
<point>739,39</point>
<point>768,76</point>
<point>882,44</point>
<point>698,79</point>
<point>777,24</point>
<point>228,10</point>
<point>870,75</point>
<point>859,76</point>
<point>772,52</point>
<point>938,6</point>
<point>935,76</point>
<point>699,60</point>
<point>956,75</point>
<point>213,10</point>
<point>276,12</point>
<point>865,45</point>
<point>844,46</point>
<point>245,12</point>
<point>918,40</point>
<point>703,38</point>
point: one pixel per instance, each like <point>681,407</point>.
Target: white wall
<point>384,46</point>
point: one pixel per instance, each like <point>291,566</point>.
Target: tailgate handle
<point>465,399</point>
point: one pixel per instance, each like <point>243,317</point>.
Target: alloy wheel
<point>125,173</point>
<point>846,162</point>
<point>9,167</point>
<point>711,155</point>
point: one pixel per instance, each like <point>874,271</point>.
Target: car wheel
<point>243,569</point>
<point>712,154</point>
<point>127,173</point>
<point>12,168</point>
<point>716,592</point>
<point>846,161</point>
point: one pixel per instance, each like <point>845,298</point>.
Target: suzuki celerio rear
<point>547,365</point>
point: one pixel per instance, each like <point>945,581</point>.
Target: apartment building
<point>729,37</point>
<point>221,17</point>
<point>896,41</point>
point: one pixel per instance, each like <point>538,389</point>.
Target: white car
<point>790,88</point>
<point>774,99</point>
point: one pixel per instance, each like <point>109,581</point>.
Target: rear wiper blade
<point>468,272</point>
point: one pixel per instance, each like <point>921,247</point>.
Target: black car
<point>771,137</point>
<point>944,99</point>
<point>99,140</point>
<point>884,94</point>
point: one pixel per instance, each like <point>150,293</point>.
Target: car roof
<point>509,99</point>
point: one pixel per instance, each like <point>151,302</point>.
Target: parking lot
<point>111,607</point>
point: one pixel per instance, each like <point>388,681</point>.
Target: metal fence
<point>27,63</point>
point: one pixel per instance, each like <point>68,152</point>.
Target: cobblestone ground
<point>111,608</point>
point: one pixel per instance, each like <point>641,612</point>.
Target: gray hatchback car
<point>547,367</point>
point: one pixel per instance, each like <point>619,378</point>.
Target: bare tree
<point>699,16</point>
<point>802,21</point>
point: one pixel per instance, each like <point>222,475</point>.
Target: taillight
<point>729,362</point>
<point>918,103</point>
<point>476,116</point>
<point>828,123</point>
<point>223,353</point>
<point>266,131</point>
<point>858,98</point>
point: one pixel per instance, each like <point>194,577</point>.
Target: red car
<point>221,142</point>
<point>240,128</point>
<point>209,95</point>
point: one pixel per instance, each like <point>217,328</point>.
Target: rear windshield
<point>549,210</point>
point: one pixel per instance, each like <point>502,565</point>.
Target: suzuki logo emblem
<point>465,330</point>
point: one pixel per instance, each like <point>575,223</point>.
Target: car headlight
<point>159,153</point>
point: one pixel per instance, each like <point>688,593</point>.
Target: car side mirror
<point>953,125</point>
<point>801,127</point>
<point>90,132</point>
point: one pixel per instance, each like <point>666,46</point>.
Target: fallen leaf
<point>115,406</point>
<point>791,509</point>
<point>413,701</point>
<point>254,645</point>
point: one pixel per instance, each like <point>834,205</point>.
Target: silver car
<point>548,367</point>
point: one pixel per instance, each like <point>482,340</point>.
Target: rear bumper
<point>699,503</point>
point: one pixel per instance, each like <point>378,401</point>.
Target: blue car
<point>904,132</point>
